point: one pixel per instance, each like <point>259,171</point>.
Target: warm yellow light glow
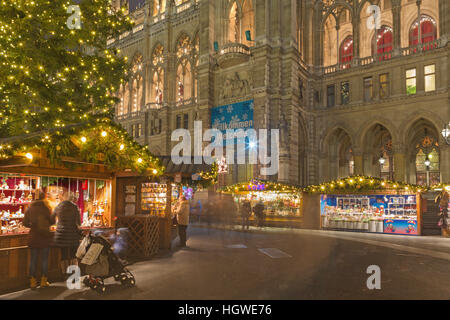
<point>83,139</point>
<point>122,147</point>
<point>139,160</point>
<point>29,156</point>
<point>104,134</point>
<point>155,171</point>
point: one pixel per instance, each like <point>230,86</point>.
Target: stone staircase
<point>430,217</point>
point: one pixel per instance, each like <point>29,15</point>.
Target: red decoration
<point>84,185</point>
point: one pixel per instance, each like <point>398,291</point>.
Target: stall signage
<point>256,187</point>
<point>394,226</point>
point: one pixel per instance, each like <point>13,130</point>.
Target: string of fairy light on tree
<point>58,85</point>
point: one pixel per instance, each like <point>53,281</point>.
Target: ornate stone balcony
<point>232,54</point>
<point>379,58</point>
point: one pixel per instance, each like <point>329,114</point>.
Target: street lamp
<point>427,164</point>
<point>446,133</point>
<point>382,160</point>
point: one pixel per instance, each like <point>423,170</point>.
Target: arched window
<point>157,86</point>
<point>184,81</point>
<point>196,62</point>
<point>134,99</point>
<point>241,20</point>
<point>427,28</point>
<point>384,41</point>
<point>185,74</point>
<point>346,50</point>
<point>427,149</point>
<point>137,83</point>
<point>120,107</point>
<point>126,98</point>
<point>159,6</point>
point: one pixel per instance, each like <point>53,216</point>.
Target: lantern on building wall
<point>223,167</point>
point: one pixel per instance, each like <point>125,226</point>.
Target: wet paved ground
<point>282,264</point>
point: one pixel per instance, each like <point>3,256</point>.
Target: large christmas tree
<point>58,80</point>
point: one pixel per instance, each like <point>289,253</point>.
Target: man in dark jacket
<point>68,234</point>
<point>39,219</point>
<point>246,212</point>
<point>259,213</point>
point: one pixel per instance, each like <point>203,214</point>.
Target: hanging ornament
<point>57,189</point>
<point>77,193</point>
<point>13,199</point>
<point>48,187</point>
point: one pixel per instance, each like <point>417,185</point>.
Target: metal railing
<point>385,56</point>
<point>234,48</point>
<point>186,102</point>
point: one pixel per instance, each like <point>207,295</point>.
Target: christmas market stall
<point>364,204</point>
<point>90,187</point>
<point>282,203</point>
<point>87,178</point>
<point>144,204</point>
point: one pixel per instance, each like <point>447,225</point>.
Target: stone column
<point>444,161</point>
<point>358,161</point>
<point>337,43</point>
<point>399,162</point>
<point>444,20</point>
<point>356,27</point>
<point>397,24</point>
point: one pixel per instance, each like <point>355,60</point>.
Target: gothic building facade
<point>355,86</point>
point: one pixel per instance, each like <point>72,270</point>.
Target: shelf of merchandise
<point>154,198</point>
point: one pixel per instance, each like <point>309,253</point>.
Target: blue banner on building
<point>233,116</point>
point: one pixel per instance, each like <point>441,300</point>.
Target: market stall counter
<point>282,203</point>
<point>144,207</point>
<point>368,204</point>
<point>89,189</point>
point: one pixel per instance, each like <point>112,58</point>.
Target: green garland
<point>268,186</point>
<point>362,184</point>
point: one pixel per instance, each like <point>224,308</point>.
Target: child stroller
<point>98,261</point>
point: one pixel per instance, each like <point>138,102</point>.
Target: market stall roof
<point>184,169</point>
<point>262,186</point>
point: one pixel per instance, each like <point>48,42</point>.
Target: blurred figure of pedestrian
<point>209,212</point>
<point>38,218</point>
<point>442,199</point>
<point>246,212</point>
<point>183,220</point>
<point>68,233</point>
<point>259,213</point>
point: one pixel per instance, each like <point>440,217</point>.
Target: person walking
<point>246,212</point>
<point>183,219</point>
<point>68,233</point>
<point>443,199</point>
<point>38,218</point>
<point>259,213</point>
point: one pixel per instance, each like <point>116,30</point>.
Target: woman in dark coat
<point>67,235</point>
<point>38,218</point>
